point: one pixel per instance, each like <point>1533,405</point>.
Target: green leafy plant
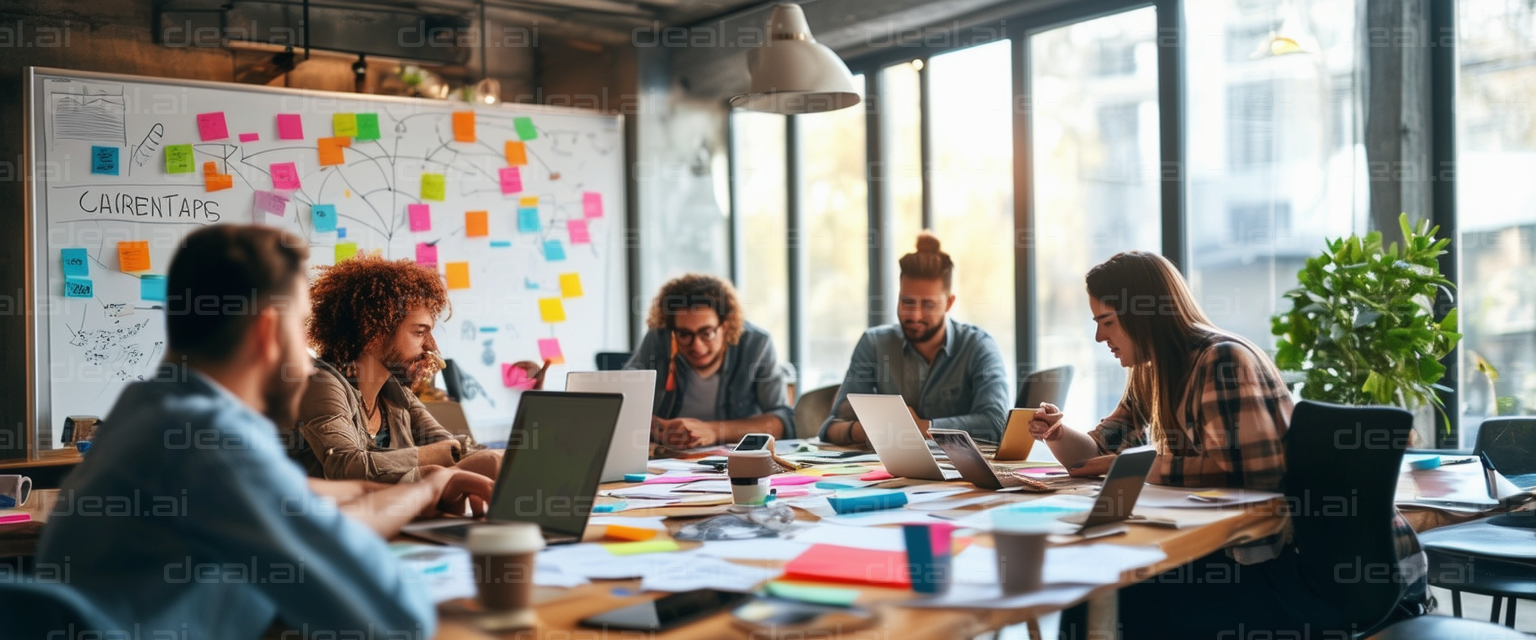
<point>1362,326</point>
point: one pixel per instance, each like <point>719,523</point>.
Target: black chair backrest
<point>1510,444</point>
<point>1341,470</point>
<point>611,360</point>
<point>1045,385</point>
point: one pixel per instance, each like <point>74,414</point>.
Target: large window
<point>1496,201</point>
<point>901,124</point>
<point>1094,149</point>
<point>971,141</point>
<point>758,161</point>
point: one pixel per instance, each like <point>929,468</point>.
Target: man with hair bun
<point>950,373</point>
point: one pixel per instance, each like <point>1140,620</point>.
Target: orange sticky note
<point>464,126</point>
<point>133,255</point>
<point>218,182</point>
<point>477,224</point>
<point>330,150</point>
<point>517,154</point>
<point>210,168</point>
<point>458,275</point>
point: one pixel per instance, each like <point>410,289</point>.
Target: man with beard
<point>187,519</point>
<point>717,378</point>
<point>949,372</point>
<point>372,328</point>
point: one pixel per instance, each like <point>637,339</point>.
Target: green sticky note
<point>344,124</point>
<point>433,186</point>
<point>524,126</point>
<point>367,126</point>
<point>644,546</point>
<point>345,250</point>
<point>831,596</point>
<point>178,158</point>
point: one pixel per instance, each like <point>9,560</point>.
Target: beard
<point>408,372</point>
<point>919,336</point>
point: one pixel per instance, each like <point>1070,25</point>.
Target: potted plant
<point>1362,327</point>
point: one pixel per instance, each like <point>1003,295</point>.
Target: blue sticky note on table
<point>152,288</point>
<point>104,161</point>
<point>528,220</point>
<point>76,263</point>
<point>324,217</point>
<point>78,288</point>
<point>553,250</point>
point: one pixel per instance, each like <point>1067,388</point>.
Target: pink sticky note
<point>877,474</point>
<point>290,126</point>
<point>211,126</point>
<point>791,479</point>
<point>677,479</point>
<point>514,377</point>
<point>511,180</point>
<point>549,349</point>
<point>285,176</point>
<point>250,137</point>
<point>592,204</point>
<point>421,217</point>
<point>426,254</point>
<point>273,203</point>
<point>579,232</point>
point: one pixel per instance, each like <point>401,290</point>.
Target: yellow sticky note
<point>345,250</point>
<point>133,256</point>
<point>433,186</point>
<point>458,275</point>
<point>551,310</point>
<point>477,224</point>
<point>528,201</point>
<point>637,548</point>
<point>570,285</point>
<point>344,124</point>
<point>517,154</point>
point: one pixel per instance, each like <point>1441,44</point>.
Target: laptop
<point>974,468</point>
<point>549,473</point>
<point>1122,486</point>
<point>902,449</point>
<point>631,444</point>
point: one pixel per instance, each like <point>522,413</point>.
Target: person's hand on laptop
<point>1096,466</point>
<point>457,491</point>
<point>1046,425</point>
<point>486,462</point>
<point>922,425</point>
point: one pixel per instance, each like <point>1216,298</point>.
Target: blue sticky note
<point>78,288</point>
<point>104,161</point>
<point>341,232</point>
<point>152,288</point>
<point>528,220</point>
<point>553,250</point>
<point>76,263</point>
<point>501,244</point>
<point>324,217</point>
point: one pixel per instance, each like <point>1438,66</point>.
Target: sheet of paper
<point>517,153</point>
<point>447,571</point>
<point>856,537</point>
<point>511,180</point>
<point>1044,513</point>
<point>420,216</point>
<point>704,572</point>
<point>211,126</point>
<point>644,546</point>
<point>1090,564</point>
<point>324,217</point>
<point>104,161</point>
<point>970,596</point>
<point>464,126</point>
<point>880,518</point>
<point>368,126</point>
<point>433,186</point>
<point>458,275</point>
<point>76,262</point>
<point>178,158</point>
<point>772,549</point>
<point>657,523</point>
<point>477,224</point>
<point>290,126</point>
<point>1157,496</point>
<point>133,256</point>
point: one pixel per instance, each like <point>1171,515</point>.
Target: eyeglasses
<point>706,334</point>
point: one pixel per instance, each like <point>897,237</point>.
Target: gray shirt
<point>699,394</point>
<point>966,386</point>
<point>749,383</point>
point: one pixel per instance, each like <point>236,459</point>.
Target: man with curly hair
<point>372,328</point>
<point>717,378</point>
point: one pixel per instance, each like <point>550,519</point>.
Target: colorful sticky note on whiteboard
<point>218,181</point>
<point>426,255</point>
<point>511,180</point>
<point>324,217</point>
<point>592,204</point>
<point>250,137</point>
<point>458,275</point>
<point>570,285</point>
<point>211,126</point>
<point>368,126</point>
<point>549,349</point>
<point>420,215</point>
<point>345,251</point>
<point>152,288</point>
<point>330,150</point>
<point>344,124</point>
<point>525,129</point>
<point>514,377</point>
<point>528,201</point>
<point>477,224</point>
<point>78,288</point>
<point>554,251</point>
<point>133,256</point>
<point>76,262</point>
<point>528,220</point>
<point>285,176</point>
<point>579,232</point>
<point>464,126</point>
<point>433,186</point>
<point>178,158</point>
<point>551,310</point>
<point>104,161</point>
<point>517,153</point>
<point>270,202</point>
<point>290,126</point>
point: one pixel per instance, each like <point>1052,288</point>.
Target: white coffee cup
<point>14,490</point>
<point>504,555</point>
<point>1020,559</point>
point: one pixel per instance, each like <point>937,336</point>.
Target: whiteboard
<point>106,156</point>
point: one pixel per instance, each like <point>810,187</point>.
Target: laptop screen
<point>554,455</point>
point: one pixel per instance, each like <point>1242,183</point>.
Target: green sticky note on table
<point>433,186</point>
<point>644,546</point>
<point>178,158</point>
<point>524,126</point>
<point>368,126</point>
<point>344,124</point>
<point>831,596</point>
<point>345,250</point>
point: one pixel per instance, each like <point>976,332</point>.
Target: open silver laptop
<point>631,444</point>
<point>894,434</point>
<point>549,473</point>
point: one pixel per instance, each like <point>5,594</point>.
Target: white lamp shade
<point>792,73</point>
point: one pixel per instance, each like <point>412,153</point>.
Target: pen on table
<point>1446,461</point>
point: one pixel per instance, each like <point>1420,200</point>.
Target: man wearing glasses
<point>717,378</point>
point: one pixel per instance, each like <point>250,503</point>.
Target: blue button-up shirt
<point>187,519</point>
<point>966,386</point>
